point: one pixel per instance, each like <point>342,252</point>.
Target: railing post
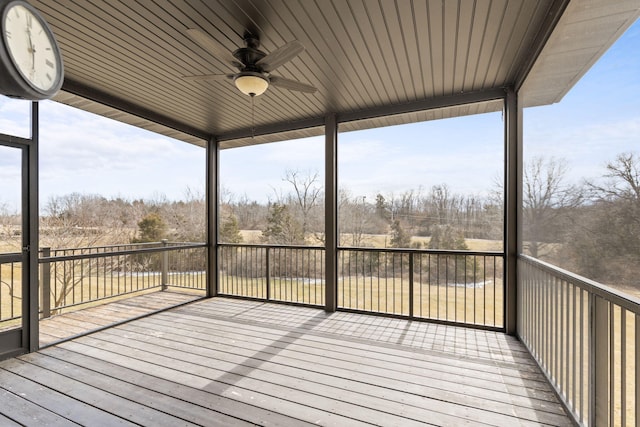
<point>268,273</point>
<point>45,284</point>
<point>598,361</point>
<point>411,284</point>
<point>165,266</point>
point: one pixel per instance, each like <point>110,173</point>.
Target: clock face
<point>31,47</point>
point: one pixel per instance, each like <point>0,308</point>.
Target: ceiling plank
<point>364,56</point>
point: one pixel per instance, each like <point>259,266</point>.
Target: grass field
<point>477,305</point>
<point>384,240</point>
<point>10,290</point>
<point>88,290</point>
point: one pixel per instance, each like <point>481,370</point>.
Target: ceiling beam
<point>96,95</point>
<point>271,128</point>
<point>424,105</point>
<point>370,113</point>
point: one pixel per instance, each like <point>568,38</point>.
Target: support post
<point>30,304</point>
<point>212,201</point>
<point>331,213</point>
<point>45,284</point>
<point>165,266</point>
<point>512,207</point>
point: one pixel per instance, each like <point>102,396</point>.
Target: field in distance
<point>382,241</point>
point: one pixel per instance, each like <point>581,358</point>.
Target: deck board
<point>305,352</point>
<point>197,396</point>
<point>182,409</point>
<point>346,381</point>
<point>55,401</point>
<point>24,412</point>
<point>225,361</point>
<point>72,323</point>
<point>99,398</point>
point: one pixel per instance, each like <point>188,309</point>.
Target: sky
<point>598,119</point>
<point>84,153</point>
<point>388,160</point>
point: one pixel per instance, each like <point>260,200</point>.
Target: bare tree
<point>605,244</point>
<point>251,215</point>
<point>307,193</point>
<point>622,179</point>
<point>546,198</point>
<point>355,219</point>
<point>186,218</point>
<point>441,200</point>
<point>10,229</point>
<point>77,220</point>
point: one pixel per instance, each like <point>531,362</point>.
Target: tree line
<point>83,220</point>
<point>296,216</point>
<point>591,227</point>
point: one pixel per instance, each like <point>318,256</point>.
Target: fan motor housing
<point>249,56</point>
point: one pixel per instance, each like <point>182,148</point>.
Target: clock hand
<point>32,51</point>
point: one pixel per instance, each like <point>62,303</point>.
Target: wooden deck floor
<point>70,324</point>
<point>231,362</point>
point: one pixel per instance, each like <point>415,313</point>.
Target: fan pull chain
<point>253,121</point>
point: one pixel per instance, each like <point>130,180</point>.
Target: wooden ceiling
<point>367,58</point>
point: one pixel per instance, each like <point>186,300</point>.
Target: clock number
<point>29,20</point>
<point>50,64</point>
<point>8,34</point>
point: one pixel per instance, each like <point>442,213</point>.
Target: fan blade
<point>280,56</point>
<point>209,77</point>
<point>291,84</point>
<point>210,45</point>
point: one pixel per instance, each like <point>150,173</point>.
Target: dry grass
<point>91,290</point>
<point>479,305</point>
<point>10,291</point>
<point>455,303</point>
<point>93,287</point>
<point>382,240</point>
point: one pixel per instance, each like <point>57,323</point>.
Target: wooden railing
<point>586,338</point>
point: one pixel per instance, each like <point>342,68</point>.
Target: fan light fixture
<point>252,84</point>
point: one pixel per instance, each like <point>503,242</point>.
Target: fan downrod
<point>250,54</point>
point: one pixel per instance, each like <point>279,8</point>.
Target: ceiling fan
<point>254,66</point>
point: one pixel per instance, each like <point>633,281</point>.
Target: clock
<point>30,60</point>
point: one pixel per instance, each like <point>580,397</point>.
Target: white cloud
<point>82,152</point>
<point>585,145</point>
<point>421,156</point>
